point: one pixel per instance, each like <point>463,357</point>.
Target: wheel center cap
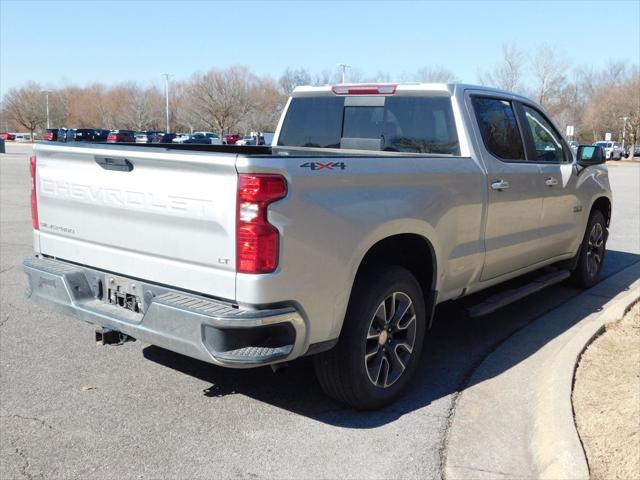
<point>382,339</point>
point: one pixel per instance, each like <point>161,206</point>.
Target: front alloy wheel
<point>595,249</point>
<point>592,252</point>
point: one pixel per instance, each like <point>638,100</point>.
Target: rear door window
<point>499,127</point>
<point>420,125</point>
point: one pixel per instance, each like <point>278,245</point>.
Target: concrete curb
<point>515,417</point>
<point>555,419</point>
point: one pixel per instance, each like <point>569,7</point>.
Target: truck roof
<point>449,88</point>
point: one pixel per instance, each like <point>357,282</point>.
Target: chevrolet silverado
<point>374,204</point>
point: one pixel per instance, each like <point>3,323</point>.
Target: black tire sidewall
<point>375,286</point>
<point>582,270</point>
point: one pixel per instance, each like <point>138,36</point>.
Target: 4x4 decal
<point>322,166</point>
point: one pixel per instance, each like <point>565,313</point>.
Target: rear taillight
<point>34,199</point>
<point>364,89</point>
<point>257,241</point>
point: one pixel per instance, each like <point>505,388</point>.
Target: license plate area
<point>124,293</point>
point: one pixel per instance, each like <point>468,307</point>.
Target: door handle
<point>550,181</point>
<point>500,185</point>
<point>117,164</point>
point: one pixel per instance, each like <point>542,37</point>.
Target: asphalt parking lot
<point>71,409</point>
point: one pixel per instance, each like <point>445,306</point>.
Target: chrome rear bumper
<point>196,326</point>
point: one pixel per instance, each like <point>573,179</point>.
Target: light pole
<point>166,94</point>
<point>344,67</point>
<point>46,93</point>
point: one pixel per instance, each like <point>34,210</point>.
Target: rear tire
<point>381,341</point>
<point>592,251</point>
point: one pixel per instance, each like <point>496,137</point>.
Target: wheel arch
<point>412,251</point>
<point>603,204</point>
<point>408,250</point>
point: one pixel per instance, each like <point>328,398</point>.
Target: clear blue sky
<point>80,42</point>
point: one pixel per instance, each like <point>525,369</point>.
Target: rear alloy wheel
<point>390,340</point>
<point>592,251</point>
<point>381,340</point>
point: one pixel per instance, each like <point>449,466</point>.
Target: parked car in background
<point>612,150</point>
<point>232,138</point>
<point>627,151</point>
<point>89,135</point>
<point>62,135</point>
<point>101,135</point>
<point>246,140</point>
<point>181,137</point>
<point>213,137</point>
<point>7,136</point>
<point>163,138</point>
<point>263,139</point>
<point>50,134</point>
<point>154,137</point>
<point>71,134</point>
<point>141,137</point>
<point>121,136</point>
<point>146,137</point>
<point>22,137</point>
<point>209,138</point>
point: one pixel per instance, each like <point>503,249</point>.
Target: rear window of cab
<point>408,124</point>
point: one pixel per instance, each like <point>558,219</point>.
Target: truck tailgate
<point>148,213</point>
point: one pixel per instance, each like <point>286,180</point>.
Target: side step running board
<point>502,299</point>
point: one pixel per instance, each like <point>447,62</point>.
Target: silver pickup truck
<point>374,204</point>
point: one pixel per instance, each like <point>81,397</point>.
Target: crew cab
<point>374,204</point>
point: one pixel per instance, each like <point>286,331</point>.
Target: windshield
<point>395,124</point>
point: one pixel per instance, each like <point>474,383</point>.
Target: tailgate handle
<point>117,164</point>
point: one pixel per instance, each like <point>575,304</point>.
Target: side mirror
<point>588,155</point>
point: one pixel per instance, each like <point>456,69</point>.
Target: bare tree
<point>326,77</point>
<point>267,103</point>
<point>182,117</point>
<point>436,74</point>
<point>381,77</point>
<point>142,108</point>
<point>549,75</point>
<point>26,106</point>
<point>507,73</point>
<point>352,75</point>
<point>626,99</point>
<point>221,98</point>
<point>290,79</point>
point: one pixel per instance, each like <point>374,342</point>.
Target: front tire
<point>381,342</point>
<point>592,251</point>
